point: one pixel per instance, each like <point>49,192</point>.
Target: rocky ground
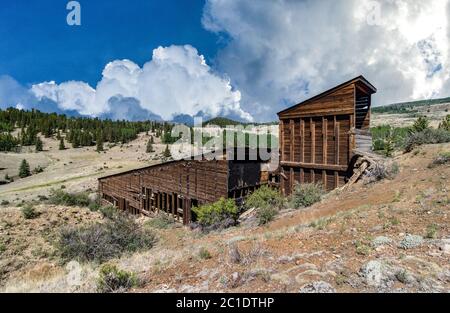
<point>390,236</point>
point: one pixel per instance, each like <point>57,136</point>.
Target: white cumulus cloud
<point>281,52</point>
<point>176,80</point>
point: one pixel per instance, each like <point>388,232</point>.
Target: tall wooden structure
<point>175,187</point>
<point>320,136</point>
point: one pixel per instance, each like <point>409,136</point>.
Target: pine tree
<point>62,146</point>
<point>150,146</point>
<point>99,141</point>
<point>24,169</point>
<point>152,140</point>
<point>39,144</point>
<point>75,139</point>
<point>167,153</point>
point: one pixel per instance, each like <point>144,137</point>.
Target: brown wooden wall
<point>316,143</point>
<point>173,187</point>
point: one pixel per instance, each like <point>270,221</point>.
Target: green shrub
<point>38,169</point>
<point>428,136</point>
<point>266,214</point>
<point>61,197</point>
<point>264,197</point>
<point>109,211</point>
<point>24,169</point>
<point>103,241</point>
<point>204,254</point>
<point>162,221</point>
<point>421,124</point>
<point>4,202</point>
<point>432,231</point>
<point>378,145</point>
<point>211,214</point>
<point>305,195</point>
<point>445,124</point>
<point>111,279</point>
<point>29,212</point>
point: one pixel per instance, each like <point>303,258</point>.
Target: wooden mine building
<point>175,187</point>
<point>320,136</point>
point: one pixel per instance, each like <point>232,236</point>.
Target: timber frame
<point>319,136</point>
<point>174,187</point>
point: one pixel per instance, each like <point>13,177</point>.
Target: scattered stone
<point>411,242</point>
<point>444,245</point>
<point>381,241</point>
<point>317,287</point>
<point>377,274</point>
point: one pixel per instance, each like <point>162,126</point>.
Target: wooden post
<point>336,179</point>
<point>292,125</point>
<point>302,137</point>
<point>336,141</point>
<point>302,176</point>
<point>174,196</point>
<point>325,139</point>
<point>281,134</point>
<point>313,141</point>
<point>324,179</point>
<point>291,178</point>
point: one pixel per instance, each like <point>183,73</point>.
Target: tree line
<point>21,128</point>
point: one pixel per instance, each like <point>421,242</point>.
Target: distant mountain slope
<point>408,107</point>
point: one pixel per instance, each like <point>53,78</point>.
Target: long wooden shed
<point>175,187</point>
<point>320,136</point>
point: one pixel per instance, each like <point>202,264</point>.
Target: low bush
<point>61,197</point>
<point>112,279</point>
<point>102,241</point>
<point>29,212</point>
<point>428,136</point>
<point>441,159</point>
<point>162,221</point>
<point>380,171</point>
<point>266,214</point>
<point>216,213</point>
<point>108,211</point>
<point>264,197</point>
<point>432,231</point>
<point>204,254</point>
<point>305,195</point>
<point>4,202</point>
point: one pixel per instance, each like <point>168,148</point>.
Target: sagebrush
<point>305,195</point>
<point>215,213</point>
<point>103,241</point>
<point>112,279</point>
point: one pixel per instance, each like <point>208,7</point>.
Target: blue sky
<point>241,59</point>
<point>37,44</point>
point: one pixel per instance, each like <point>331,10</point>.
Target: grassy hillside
<point>408,107</point>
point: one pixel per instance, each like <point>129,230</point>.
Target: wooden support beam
<point>291,178</point>
<point>336,141</point>
<point>302,176</point>
<point>325,139</point>
<point>336,179</point>
<point>324,179</point>
<point>292,126</point>
<point>330,167</point>
<point>174,206</point>
<point>313,140</point>
<point>282,143</point>
<point>302,136</point>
